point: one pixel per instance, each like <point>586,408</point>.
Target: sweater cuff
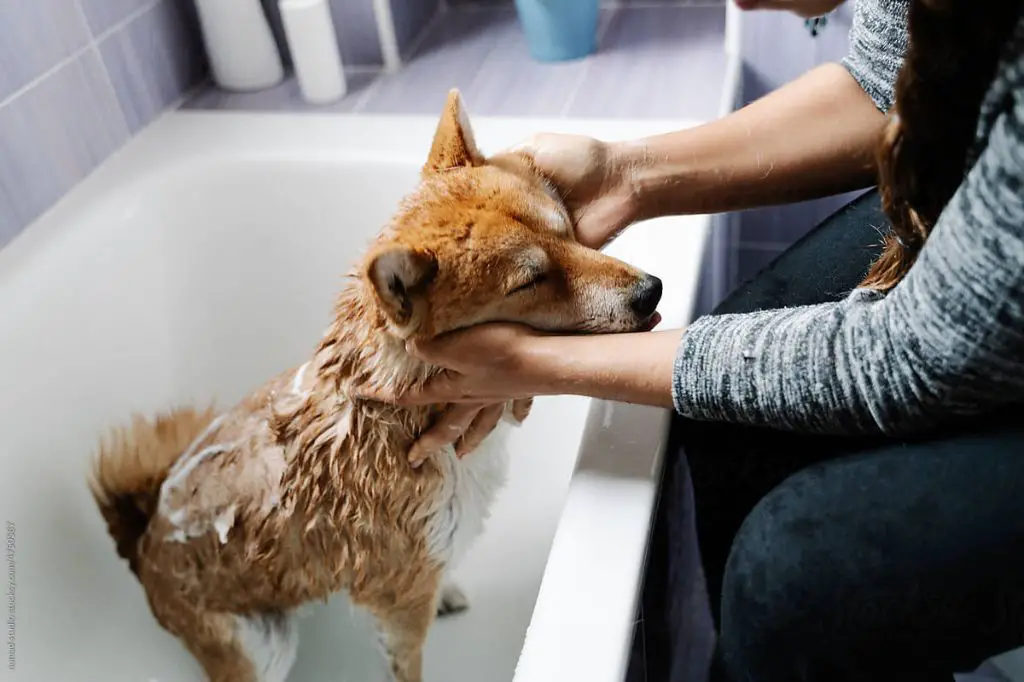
<point>693,371</point>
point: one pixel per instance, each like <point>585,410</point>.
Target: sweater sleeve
<point>946,341</point>
<point>878,42</point>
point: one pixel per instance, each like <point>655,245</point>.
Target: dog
<point>232,521</point>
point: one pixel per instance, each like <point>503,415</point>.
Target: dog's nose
<point>646,296</point>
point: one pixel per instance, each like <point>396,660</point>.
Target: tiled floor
<point>651,62</point>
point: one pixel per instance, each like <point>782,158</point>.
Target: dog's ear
<point>399,274</point>
<point>454,145</point>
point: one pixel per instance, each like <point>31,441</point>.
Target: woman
<point>859,488</point>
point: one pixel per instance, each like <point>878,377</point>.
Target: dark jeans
<point>836,559</point>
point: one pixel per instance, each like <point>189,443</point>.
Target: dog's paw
<point>453,600</point>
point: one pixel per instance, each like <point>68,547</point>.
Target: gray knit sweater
<point>947,341</point>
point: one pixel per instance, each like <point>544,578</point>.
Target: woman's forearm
<point>630,368</point>
<point>811,138</point>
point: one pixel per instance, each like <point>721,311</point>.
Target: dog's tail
<point>131,465</point>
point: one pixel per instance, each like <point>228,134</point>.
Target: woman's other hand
<point>486,367</point>
<point>594,178</point>
<point>464,426</point>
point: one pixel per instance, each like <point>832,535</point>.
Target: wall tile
<point>152,62</point>
<point>449,57</point>
<point>511,83</point>
<point>356,26</point>
<point>687,45</point>
<point>10,224</point>
<point>56,134</point>
<point>35,35</point>
<point>103,14</point>
<point>410,18</point>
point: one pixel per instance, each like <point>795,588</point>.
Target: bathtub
<point>197,262</point>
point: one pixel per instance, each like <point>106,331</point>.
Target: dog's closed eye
<point>532,283</point>
<point>531,271</point>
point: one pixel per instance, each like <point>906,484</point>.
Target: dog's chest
<point>464,501</point>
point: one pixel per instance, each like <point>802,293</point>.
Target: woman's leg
<point>731,468</point>
<point>905,562</point>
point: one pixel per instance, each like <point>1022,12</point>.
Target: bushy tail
<point>131,465</point>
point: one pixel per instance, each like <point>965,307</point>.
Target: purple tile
<point>656,62</point>
<point>511,83</point>
<point>55,134</point>
<point>356,26</point>
<point>35,35</point>
<point>833,42</point>
<point>449,57</point>
<point>283,97</point>
<point>104,14</point>
<point>410,18</point>
<point>152,62</point>
<point>10,224</point>
<point>776,49</point>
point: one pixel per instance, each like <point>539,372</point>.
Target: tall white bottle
<point>313,44</point>
<point>239,44</point>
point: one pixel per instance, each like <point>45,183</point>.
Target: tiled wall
<point>777,48</point>
<point>77,79</point>
<point>355,24</point>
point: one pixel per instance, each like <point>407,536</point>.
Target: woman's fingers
<point>485,421</point>
<point>521,409</point>
<point>447,431</point>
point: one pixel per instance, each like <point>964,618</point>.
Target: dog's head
<point>487,240</point>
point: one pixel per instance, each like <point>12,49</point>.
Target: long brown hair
<point>954,50</point>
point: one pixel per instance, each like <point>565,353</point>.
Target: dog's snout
<point>646,296</point>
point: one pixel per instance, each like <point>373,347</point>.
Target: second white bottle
<point>313,45</point>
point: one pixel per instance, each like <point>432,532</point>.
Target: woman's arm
<point>948,340</point>
<point>811,138</point>
<point>814,137</point>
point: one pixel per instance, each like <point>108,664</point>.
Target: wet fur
<point>231,522</point>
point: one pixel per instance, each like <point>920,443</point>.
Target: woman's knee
<point>775,601</point>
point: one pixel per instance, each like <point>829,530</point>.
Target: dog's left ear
<point>454,145</point>
<point>399,274</point>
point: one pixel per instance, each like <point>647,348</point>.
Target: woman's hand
<point>484,370</point>
<point>464,425</point>
<point>490,364</point>
<point>594,178</point>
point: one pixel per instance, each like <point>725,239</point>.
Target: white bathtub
<point>196,263</point>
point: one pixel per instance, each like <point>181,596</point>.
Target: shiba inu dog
<point>233,520</point>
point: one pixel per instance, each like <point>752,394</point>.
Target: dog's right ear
<point>399,274</point>
<point>454,145</point>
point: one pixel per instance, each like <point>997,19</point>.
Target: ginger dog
<point>231,522</point>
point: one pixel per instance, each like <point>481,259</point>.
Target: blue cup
<point>559,30</point>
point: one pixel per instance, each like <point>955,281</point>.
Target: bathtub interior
<point>194,282</point>
<point>205,301</point>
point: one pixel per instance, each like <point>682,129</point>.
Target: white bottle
<point>239,44</point>
<point>313,45</point>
